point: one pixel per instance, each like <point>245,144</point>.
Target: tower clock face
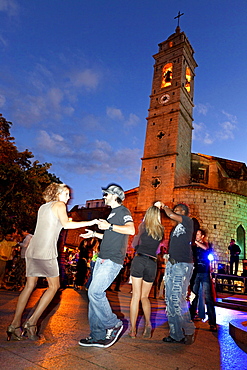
<point>164,99</point>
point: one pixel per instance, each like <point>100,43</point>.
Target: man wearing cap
<point>104,325</point>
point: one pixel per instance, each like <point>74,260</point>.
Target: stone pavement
<point>66,322</point>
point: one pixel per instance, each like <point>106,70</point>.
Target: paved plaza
<point>66,322</point>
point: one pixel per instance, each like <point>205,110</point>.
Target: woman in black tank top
<point>143,268</point>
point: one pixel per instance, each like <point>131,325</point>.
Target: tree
<point>21,183</point>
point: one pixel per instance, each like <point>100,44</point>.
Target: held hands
<point>88,234</point>
<point>103,224</point>
<point>93,222</point>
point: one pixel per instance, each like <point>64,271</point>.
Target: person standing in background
<point>234,256</point>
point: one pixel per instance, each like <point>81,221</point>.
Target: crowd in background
<point>12,259</point>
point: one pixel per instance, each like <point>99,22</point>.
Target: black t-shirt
<point>234,249</point>
<point>202,263</point>
<point>180,242</point>
<point>147,244</point>
<point>114,245</point>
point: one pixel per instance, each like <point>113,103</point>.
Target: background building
<point>215,189</point>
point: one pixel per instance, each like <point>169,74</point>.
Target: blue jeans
<point>203,278</point>
<point>100,314</point>
<point>177,279</point>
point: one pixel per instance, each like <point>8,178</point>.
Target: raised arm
<point>169,212</point>
<point>202,245</point>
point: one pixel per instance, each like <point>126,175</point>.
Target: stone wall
<point>219,212</point>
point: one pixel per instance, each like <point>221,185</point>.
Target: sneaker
<point>90,342</point>
<point>112,335</point>
<point>169,339</point>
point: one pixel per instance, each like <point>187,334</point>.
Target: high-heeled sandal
<point>31,333</point>
<point>147,332</point>
<point>132,334</point>
<point>11,331</point>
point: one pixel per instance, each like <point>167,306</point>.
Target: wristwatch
<point>111,227</point>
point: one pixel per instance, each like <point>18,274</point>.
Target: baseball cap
<point>114,189</point>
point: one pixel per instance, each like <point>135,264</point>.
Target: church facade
<point>215,189</point>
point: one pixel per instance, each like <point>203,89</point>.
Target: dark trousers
<point>234,260</point>
<point>204,279</point>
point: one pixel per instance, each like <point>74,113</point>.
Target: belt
<point>146,255</point>
<point>172,260</point>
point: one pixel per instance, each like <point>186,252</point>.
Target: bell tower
<point>166,161</point>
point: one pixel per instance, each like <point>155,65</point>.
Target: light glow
<point>167,75</point>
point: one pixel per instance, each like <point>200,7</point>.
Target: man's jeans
<point>177,279</point>
<point>100,314</point>
<point>203,278</point>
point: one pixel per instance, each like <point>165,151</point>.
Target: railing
<point>230,283</point>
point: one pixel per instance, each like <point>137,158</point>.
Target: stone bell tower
<point>166,161</point>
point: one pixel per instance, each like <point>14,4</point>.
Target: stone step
<point>233,306</point>
<point>235,300</point>
<point>238,331</point>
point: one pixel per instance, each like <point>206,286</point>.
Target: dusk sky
<point>76,76</point>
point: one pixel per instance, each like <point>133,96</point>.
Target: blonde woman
<point>41,257</point>
<point>143,268</point>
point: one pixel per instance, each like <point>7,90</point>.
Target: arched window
<point>166,75</point>
<point>188,79</point>
<point>241,241</point>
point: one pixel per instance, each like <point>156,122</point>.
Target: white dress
<point>41,254</point>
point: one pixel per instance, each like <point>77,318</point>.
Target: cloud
<point>133,120</point>
<point>55,97</point>
<point>85,157</point>
<point>87,78</point>
<point>223,131</point>
<point>202,109</point>
<point>226,132</point>
<point>48,90</point>
<point>200,133</point>
<point>54,144</point>
<point>114,113</point>
<point>227,127</point>
<point>231,117</point>
<point>11,7</point>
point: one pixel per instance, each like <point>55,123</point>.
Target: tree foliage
<point>22,182</point>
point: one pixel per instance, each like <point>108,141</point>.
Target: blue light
<point>211,257</point>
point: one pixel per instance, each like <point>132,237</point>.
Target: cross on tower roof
<point>178,17</point>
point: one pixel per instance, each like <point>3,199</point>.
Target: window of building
<point>166,75</point>
<point>188,79</point>
<point>202,174</point>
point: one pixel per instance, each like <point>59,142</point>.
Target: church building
<point>215,189</point>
